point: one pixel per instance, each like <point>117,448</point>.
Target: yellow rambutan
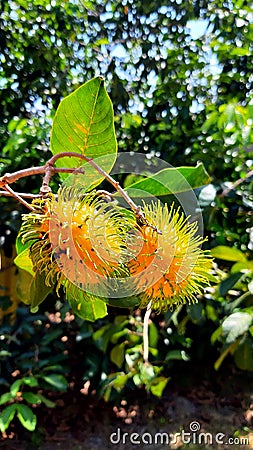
<point>170,268</point>
<point>78,240</point>
<point>81,242</point>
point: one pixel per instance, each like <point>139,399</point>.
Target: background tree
<point>155,67</point>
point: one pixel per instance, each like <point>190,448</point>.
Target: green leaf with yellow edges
<point>228,253</point>
<point>23,261</point>
<point>31,288</point>
<point>7,415</point>
<point>117,354</point>
<point>26,417</point>
<point>84,124</point>
<point>158,385</point>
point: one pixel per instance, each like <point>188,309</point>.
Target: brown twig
<point>48,169</point>
<point>20,194</point>
<point>10,178</point>
<point>236,183</point>
<point>108,177</point>
<point>114,183</point>
<point>20,199</point>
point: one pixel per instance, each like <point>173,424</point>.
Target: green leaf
<point>58,381</point>
<point>230,349</point>
<point>242,266</point>
<point>6,416</point>
<point>147,373</point>
<point>103,335</point>
<point>5,398</point>
<point>228,253</point>
<point>52,368</point>
<point>89,4</point>
<point>30,381</point>
<point>235,325</point>
<point>124,302</point>
<point>211,120</point>
<point>23,261</point>
<point>158,385</point>
<point>26,417</point>
<point>39,290</point>
<point>250,287</point>
<point>244,355</point>
<point>229,282</point>
<point>117,381</point>
<point>120,381</point>
<point>52,336</point>
<point>153,335</point>
<point>23,286</point>
<point>131,120</point>
<point>30,397</point>
<point>15,387</point>
<point>137,379</point>
<point>177,355</point>
<point>101,41</point>
<point>239,51</point>
<point>31,288</point>
<point>84,124</point>
<point>170,181</point>
<point>116,336</point>
<point>212,313</point>
<point>46,401</point>
<point>117,354</point>
<point>4,353</point>
<point>20,247</point>
<point>153,351</point>
<point>216,334</point>
<point>195,311</point>
<point>87,307</point>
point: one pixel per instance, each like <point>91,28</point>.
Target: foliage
<point>32,363</point>
<point>38,362</point>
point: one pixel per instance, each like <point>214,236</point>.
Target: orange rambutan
<point>78,240</point>
<point>170,268</point>
<point>82,243</point>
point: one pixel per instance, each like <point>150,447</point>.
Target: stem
<point>20,194</point>
<point>236,303</point>
<point>20,199</point>
<point>9,178</point>
<point>236,183</point>
<point>108,177</point>
<point>145,333</point>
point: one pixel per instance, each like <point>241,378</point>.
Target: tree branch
<point>48,169</point>
<point>20,194</point>
<point>236,183</point>
<point>20,199</point>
